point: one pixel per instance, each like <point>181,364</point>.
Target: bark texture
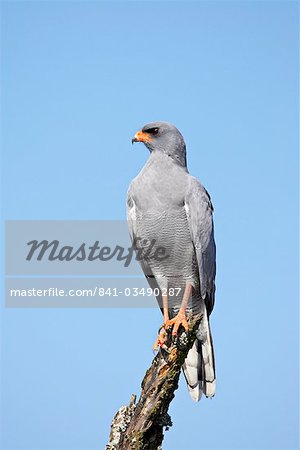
<point>141,426</point>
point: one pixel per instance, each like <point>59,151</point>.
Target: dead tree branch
<point>141,426</point>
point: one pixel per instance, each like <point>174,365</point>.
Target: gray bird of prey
<point>169,207</point>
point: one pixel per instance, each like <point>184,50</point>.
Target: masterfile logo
<point>141,249</point>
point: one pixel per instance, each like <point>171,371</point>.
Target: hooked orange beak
<point>141,136</point>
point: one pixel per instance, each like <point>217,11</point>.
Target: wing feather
<point>199,211</point>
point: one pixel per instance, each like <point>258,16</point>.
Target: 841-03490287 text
<point>98,291</point>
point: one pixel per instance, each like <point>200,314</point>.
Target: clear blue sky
<point>78,79</point>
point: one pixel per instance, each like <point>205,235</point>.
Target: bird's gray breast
<point>159,196</point>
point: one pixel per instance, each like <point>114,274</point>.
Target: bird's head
<point>163,137</point>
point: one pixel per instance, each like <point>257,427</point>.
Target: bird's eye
<point>152,131</point>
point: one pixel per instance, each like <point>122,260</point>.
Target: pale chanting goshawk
<point>168,206</point>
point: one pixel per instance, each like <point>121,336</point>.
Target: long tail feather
<point>199,366</point>
<point>191,367</point>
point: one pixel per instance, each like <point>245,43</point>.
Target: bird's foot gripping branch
<point>141,426</point>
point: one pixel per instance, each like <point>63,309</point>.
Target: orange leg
<point>180,319</point>
<point>160,341</point>
<point>165,308</point>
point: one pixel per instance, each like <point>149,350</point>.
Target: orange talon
<point>160,341</point>
<point>178,320</point>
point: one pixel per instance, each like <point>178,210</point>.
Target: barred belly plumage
<point>170,231</point>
